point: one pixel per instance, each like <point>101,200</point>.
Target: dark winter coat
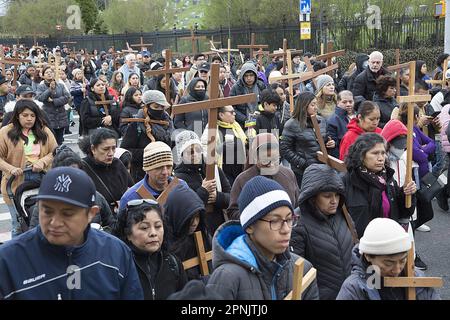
<point>268,122</point>
<point>55,110</point>
<point>325,240</point>
<point>91,115</point>
<point>299,146</point>
<point>192,120</point>
<point>77,93</point>
<point>240,88</point>
<point>356,286</point>
<point>364,201</point>
<point>241,272</point>
<point>364,85</point>
<point>337,128</point>
<point>136,139</point>
<point>25,79</point>
<point>346,82</point>
<point>285,177</point>
<point>181,206</point>
<point>160,273</point>
<point>194,175</point>
<point>386,106</point>
<point>128,111</point>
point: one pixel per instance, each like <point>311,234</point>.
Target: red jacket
<point>354,131</point>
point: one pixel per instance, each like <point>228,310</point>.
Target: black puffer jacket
<point>91,115</point>
<point>194,176</point>
<point>160,273</point>
<point>299,146</point>
<point>55,110</point>
<point>187,120</point>
<point>181,206</point>
<point>324,240</point>
<point>364,86</point>
<point>364,205</point>
<point>128,111</point>
<point>240,88</point>
<point>386,106</point>
<point>136,139</point>
<point>346,82</point>
<point>268,122</point>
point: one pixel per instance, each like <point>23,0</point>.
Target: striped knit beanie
<point>260,196</point>
<point>157,154</point>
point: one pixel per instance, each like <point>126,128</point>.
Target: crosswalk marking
<point>5,216</point>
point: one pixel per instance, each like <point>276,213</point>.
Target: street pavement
<point>433,247</point>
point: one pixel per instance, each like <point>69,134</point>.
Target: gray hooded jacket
<point>241,272</point>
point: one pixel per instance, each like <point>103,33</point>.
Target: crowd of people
<point>122,220</point>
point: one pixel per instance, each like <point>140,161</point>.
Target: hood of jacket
<point>191,87</point>
<point>360,59</point>
<point>181,205</point>
<point>320,178</point>
<point>354,127</point>
<point>246,68</point>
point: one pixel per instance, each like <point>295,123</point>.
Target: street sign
<point>305,6</point>
<point>305,30</point>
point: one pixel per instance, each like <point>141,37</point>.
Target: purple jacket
<point>422,148</point>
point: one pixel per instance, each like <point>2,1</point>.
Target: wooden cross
<point>202,256</point>
<point>105,103</point>
<point>162,199</point>
<point>283,53</point>
<point>2,57</point>
<point>409,281</point>
<point>442,82</point>
<point>252,45</point>
<point>128,50</point>
<point>228,50</point>
<point>193,39</point>
<point>57,68</point>
<point>260,54</point>
<point>16,63</point>
<point>301,283</point>
<point>142,45</point>
<point>212,106</point>
<point>166,72</point>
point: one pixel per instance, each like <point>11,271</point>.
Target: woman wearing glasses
<point>141,227</point>
<point>322,235</point>
<point>251,259</point>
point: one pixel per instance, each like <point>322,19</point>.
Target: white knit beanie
<point>184,140</point>
<point>384,236</point>
<point>322,81</point>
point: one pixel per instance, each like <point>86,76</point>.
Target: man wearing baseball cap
<point>63,258</point>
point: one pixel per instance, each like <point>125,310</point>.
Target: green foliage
<point>100,27</point>
<point>134,15</point>
<point>89,13</point>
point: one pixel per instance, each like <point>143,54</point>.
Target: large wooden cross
<point>212,105</point>
<point>202,256</point>
<point>193,39</point>
<point>167,71</point>
<point>409,281</point>
<point>283,53</point>
<point>142,45</point>
<point>228,50</point>
<point>252,46</point>
<point>2,57</point>
<point>329,56</point>
<point>57,67</point>
<point>411,99</point>
<point>443,81</point>
<point>301,282</point>
<point>16,63</point>
<point>105,103</point>
<point>162,199</point>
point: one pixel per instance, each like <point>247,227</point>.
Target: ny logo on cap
<point>62,183</point>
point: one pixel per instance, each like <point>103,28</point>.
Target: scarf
<point>148,121</point>
<point>378,191</point>
<point>237,130</point>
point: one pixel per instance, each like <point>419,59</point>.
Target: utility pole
<point>447,29</point>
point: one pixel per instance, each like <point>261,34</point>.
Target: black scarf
<point>377,184</point>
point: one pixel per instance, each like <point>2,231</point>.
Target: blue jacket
<point>31,268</point>
<point>132,194</point>
<point>337,128</point>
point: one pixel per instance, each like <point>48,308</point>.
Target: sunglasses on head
<point>138,202</point>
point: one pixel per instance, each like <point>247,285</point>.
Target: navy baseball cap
<point>69,185</point>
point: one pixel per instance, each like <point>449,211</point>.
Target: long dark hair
<point>96,138</point>
<point>128,100</point>
<point>301,107</point>
<point>357,152</point>
<point>15,134</point>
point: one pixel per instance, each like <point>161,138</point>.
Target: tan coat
<point>13,156</point>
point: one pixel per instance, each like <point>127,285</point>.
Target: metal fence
<point>402,32</point>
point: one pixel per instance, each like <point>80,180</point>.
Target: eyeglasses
<point>230,111</point>
<point>138,202</point>
<point>277,224</point>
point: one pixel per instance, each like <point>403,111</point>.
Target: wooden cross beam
<point>57,67</point>
<point>105,103</point>
<point>228,50</point>
<point>283,53</point>
<point>202,256</point>
<point>167,71</point>
<point>2,57</point>
<point>142,45</point>
<point>330,55</point>
<point>212,105</point>
<point>128,50</point>
<point>212,42</point>
<point>16,63</point>
<point>193,39</point>
<point>301,283</point>
<point>442,82</point>
<point>409,281</point>
<point>162,199</point>
<point>253,45</point>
